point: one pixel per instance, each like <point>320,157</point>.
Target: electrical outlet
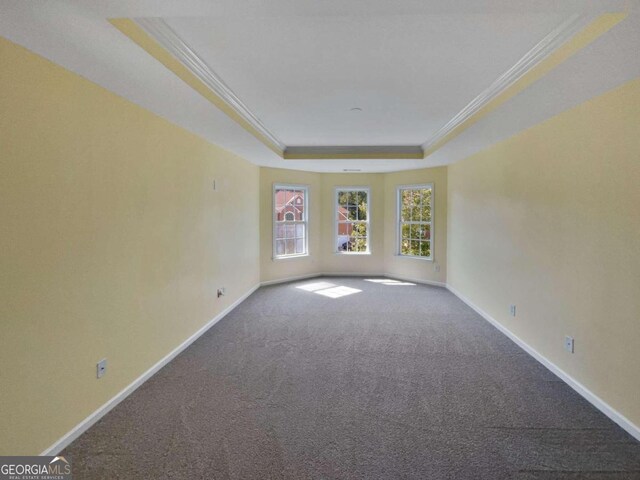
<point>569,344</point>
<point>221,292</point>
<point>101,369</point>
<point>512,310</point>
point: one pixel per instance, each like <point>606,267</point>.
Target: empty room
<point>327,239</point>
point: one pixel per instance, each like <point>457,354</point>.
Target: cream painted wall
<point>549,220</point>
<point>322,249</point>
<point>113,244</point>
<point>408,267</point>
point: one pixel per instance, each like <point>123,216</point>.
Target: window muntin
<point>415,221</point>
<point>352,220</point>
<point>290,221</point>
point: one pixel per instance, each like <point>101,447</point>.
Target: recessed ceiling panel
<point>327,80</point>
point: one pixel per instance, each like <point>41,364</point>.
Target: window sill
<point>289,257</point>
<point>352,253</point>
<point>415,257</point>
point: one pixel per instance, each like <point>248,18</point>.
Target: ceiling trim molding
<point>156,37</point>
<point>160,31</point>
<point>540,51</point>
<point>401,152</point>
<point>568,38</point>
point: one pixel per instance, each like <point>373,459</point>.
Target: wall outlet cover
<point>569,344</point>
<point>101,368</point>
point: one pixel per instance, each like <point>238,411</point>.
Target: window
<point>415,232</point>
<point>352,220</point>
<point>289,220</point>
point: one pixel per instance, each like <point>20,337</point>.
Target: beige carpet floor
<point>344,378</point>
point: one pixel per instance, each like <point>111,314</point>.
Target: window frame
<point>274,220</point>
<point>336,204</point>
<point>420,186</point>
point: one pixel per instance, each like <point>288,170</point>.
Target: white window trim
<point>305,214</point>
<point>335,218</point>
<point>399,189</point>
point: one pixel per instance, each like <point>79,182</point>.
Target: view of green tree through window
<point>415,220</point>
<point>352,215</point>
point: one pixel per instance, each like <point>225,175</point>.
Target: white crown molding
<point>160,31</point>
<point>539,52</point>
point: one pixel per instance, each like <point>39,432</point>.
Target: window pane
<point>405,213</point>
<point>426,205</point>
<point>279,247</point>
<point>407,206</point>
<point>415,212</point>
<point>359,229</point>
<point>359,244</point>
<point>406,231</point>
<point>343,199</point>
<point>290,247</point>
<point>300,230</point>
<point>359,236</point>
<point>425,249</point>
<point>405,247</point>
<point>426,231</point>
<point>300,245</point>
<point>352,211</point>
<point>280,198</point>
<point>415,247</point>
<point>343,243</point>
<point>291,231</point>
<point>363,207</point>
<point>288,196</point>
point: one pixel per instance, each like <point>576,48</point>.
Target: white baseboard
<point>415,280</point>
<point>317,275</point>
<point>83,426</point>
<point>596,401</point>
<point>591,397</point>
<point>289,279</point>
<point>350,274</point>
